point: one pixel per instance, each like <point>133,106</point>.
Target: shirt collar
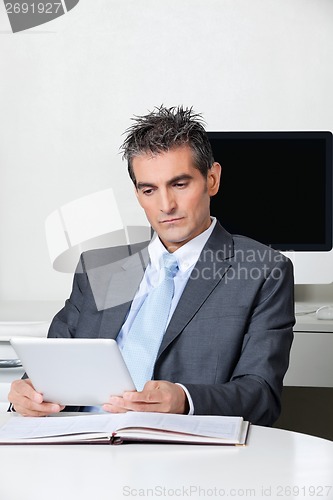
<point>187,255</point>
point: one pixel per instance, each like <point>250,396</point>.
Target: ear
<point>213,178</point>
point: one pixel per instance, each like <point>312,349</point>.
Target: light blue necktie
<point>148,327</point>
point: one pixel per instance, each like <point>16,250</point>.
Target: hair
<point>164,129</point>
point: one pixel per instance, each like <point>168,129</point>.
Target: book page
<point>19,427</point>
<point>146,435</point>
<point>198,425</point>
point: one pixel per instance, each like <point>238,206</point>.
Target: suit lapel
<point>211,267</point>
<point>112,320</point>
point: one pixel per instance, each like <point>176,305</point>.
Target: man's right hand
<point>28,402</point>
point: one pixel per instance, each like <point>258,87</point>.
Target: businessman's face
<point>174,194</point>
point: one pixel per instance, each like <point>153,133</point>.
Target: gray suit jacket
<point>229,338</point>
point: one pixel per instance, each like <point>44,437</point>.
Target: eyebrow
<point>181,177</point>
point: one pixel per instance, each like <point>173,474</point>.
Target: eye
<point>181,185</point>
<point>147,191</point>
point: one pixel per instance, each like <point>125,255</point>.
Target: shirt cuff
<point>189,399</point>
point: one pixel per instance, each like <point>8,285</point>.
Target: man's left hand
<point>157,395</point>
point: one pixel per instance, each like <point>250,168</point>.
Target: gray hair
<point>164,129</point>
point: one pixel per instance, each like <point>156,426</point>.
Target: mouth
<point>171,221</point>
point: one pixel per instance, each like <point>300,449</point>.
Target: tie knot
<point>170,264</point>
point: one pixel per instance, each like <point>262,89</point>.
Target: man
<point>228,333</point>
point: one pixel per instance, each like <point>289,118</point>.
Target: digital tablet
<point>83,372</point>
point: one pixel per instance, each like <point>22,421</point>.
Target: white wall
<point>69,88</point>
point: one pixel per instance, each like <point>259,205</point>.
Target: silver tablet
<point>84,372</point>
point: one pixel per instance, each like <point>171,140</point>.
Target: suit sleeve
<point>65,322</point>
<point>254,390</point>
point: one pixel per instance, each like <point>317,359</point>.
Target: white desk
<point>311,363</point>
<point>269,466</point>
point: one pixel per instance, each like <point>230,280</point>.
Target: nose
<point>167,201</point>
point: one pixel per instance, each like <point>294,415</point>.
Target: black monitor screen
<point>276,187</point>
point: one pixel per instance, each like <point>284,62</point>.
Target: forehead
<point>166,164</point>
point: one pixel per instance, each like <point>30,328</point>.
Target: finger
<point>135,406</point>
<point>154,395</point>
<point>28,410</point>
<point>117,404</point>
<point>26,401</point>
<point>153,392</point>
<point>24,389</point>
<point>114,409</point>
<point>160,396</point>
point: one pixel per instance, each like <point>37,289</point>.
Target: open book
<point>125,427</point>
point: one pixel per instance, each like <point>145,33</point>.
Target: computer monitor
<point>276,187</point>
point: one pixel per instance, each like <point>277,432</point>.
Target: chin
<point>180,240</point>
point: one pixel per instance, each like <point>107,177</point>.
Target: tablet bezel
<point>72,371</point>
